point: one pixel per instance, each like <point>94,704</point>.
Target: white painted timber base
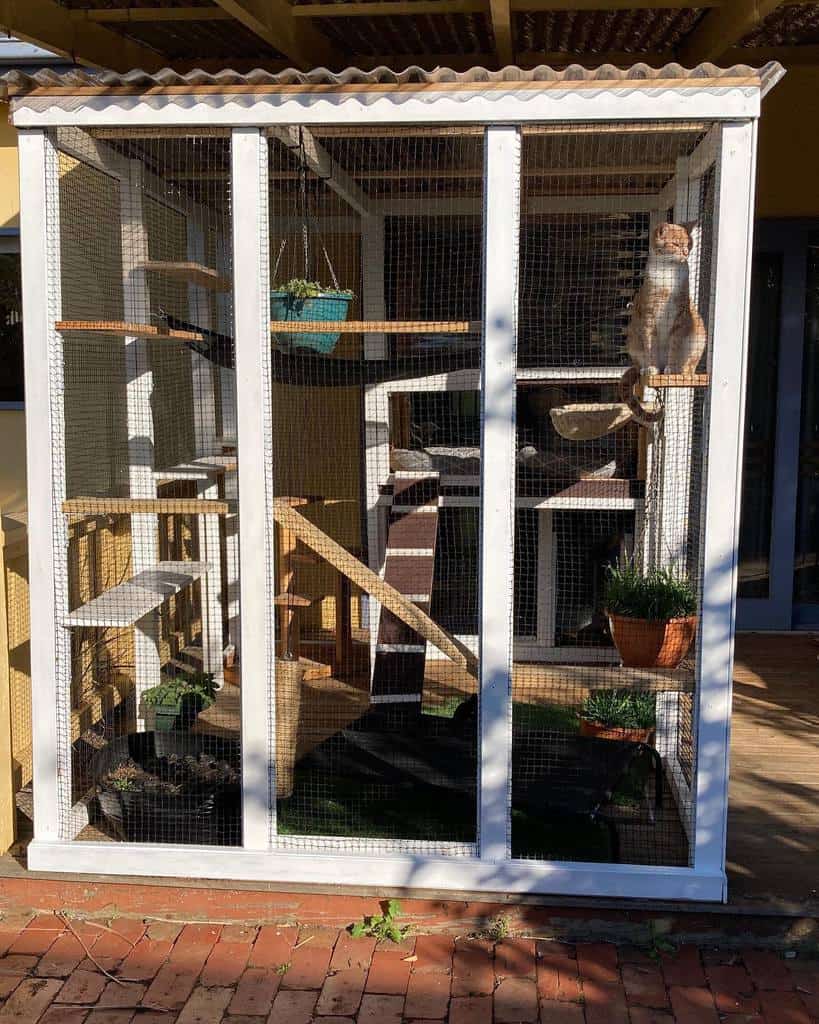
<point>396,871</point>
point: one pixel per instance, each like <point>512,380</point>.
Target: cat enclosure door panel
<point>609,485</point>
<point>146,528</point>
<point>375,266</point>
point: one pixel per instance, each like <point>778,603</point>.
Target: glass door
<point>778,584</point>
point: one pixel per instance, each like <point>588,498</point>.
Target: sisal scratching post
<point>289,676</point>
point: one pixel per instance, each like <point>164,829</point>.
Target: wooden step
<point>409,566</point>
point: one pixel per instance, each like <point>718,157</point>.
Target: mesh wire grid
<point>373,245</point>
<point>149,712</point>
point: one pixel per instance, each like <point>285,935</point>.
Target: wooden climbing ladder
<point>409,566</point>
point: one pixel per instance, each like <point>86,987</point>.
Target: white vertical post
<point>675,467</point>
<point>736,168</point>
<point>252,334</point>
<point>47,530</point>
<point>204,425</point>
<point>501,219</point>
<point>138,395</point>
<point>546,564</point>
<point>202,370</point>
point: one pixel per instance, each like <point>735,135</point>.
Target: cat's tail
<point>644,414</point>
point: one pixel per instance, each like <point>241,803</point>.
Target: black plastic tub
<point>200,812</point>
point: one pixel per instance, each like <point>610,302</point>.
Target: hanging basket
<point>327,306</point>
<point>646,643</point>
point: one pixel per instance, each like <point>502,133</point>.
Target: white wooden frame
<point>492,870</point>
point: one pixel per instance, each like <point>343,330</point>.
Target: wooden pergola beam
<point>273,21</point>
<point>724,28</point>
<point>382,8</point>
<point>47,24</point>
<point>500,11</point>
<point>126,14</point>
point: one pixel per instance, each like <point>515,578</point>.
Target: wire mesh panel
<point>375,268</point>
<point>145,457</point>
<point>614,296</point>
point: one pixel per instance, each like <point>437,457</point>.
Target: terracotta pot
<point>644,643</point>
<point>613,732</point>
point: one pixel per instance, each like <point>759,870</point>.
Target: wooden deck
<point>773,817</point>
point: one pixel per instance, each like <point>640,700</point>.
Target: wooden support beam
<point>47,24</point>
<point>381,8</point>
<point>723,28</point>
<point>321,163</point>
<point>150,14</point>
<point>501,14</point>
<point>390,8</point>
<point>273,21</point>
<point>92,506</point>
<point>376,326</point>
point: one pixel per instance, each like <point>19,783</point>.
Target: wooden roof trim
<point>564,85</point>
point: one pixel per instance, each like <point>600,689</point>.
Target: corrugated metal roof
<point>590,32</point>
<point>80,79</point>
<point>787,26</point>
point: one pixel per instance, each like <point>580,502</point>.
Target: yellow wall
<point>9,192</point>
<point>789,147</point>
<point>12,461</point>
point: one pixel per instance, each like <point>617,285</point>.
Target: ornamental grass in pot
<point>652,616</point>
<point>619,715</point>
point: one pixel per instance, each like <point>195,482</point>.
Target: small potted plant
<point>652,616</point>
<point>619,715</point>
<point>303,301</point>
<point>177,701</point>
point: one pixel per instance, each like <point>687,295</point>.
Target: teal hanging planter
<point>324,306</point>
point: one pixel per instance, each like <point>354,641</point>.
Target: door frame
<point>788,238</point>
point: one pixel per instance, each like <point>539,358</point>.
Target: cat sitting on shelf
<point>666,333</point>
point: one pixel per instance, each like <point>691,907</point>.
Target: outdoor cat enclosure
<point>339,460</point>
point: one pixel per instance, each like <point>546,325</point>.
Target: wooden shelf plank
<point>193,273</point>
<point>675,380</point>
<point>156,506</point>
<point>126,329</point>
<point>198,469</point>
<point>375,326</point>
<point>126,603</point>
<point>570,679</point>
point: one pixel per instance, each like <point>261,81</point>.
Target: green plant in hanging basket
<point>299,288</point>
<point>303,301</point>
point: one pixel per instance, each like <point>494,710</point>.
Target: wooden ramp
<point>409,566</point>
<point>371,583</point>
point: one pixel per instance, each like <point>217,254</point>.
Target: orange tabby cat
<point>666,333</point>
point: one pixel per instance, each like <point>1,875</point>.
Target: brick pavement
<point>200,973</point>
